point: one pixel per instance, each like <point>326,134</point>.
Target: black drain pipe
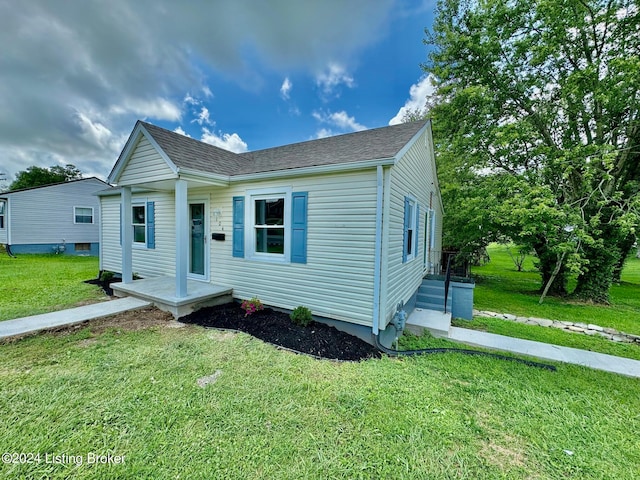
<point>9,252</point>
<point>465,351</point>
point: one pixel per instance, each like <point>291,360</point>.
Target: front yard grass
<point>33,284</point>
<point>501,288</point>
<point>274,414</point>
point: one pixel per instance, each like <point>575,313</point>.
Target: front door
<point>197,241</point>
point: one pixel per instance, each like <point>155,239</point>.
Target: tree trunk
<point>625,246</point>
<point>595,280</point>
<point>555,285</point>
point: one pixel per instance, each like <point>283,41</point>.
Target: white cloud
<point>203,117</point>
<point>333,76</point>
<point>158,108</point>
<point>228,141</point>
<point>179,130</point>
<point>207,92</point>
<point>324,133</point>
<point>418,94</point>
<point>130,60</point>
<point>285,89</point>
<point>341,119</point>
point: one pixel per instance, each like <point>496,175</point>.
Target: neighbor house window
<point>2,210</point>
<point>138,219</point>
<point>410,229</point>
<point>83,214</point>
<point>82,247</point>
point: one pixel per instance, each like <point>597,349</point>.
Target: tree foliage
<point>37,176</point>
<point>537,126</point>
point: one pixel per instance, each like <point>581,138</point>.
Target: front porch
<point>161,291</point>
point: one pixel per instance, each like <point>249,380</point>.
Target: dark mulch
<point>277,328</point>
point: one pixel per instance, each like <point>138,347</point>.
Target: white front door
<point>198,240</point>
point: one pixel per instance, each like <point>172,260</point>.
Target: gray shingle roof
<point>374,144</point>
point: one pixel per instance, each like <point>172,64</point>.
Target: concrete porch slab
<point>438,323</point>
<point>161,291</point>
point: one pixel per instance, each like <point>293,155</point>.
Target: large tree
<point>37,176</point>
<point>542,97</point>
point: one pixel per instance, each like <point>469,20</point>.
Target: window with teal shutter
<point>238,227</point>
<point>299,227</point>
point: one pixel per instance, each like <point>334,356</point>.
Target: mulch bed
<point>277,328</point>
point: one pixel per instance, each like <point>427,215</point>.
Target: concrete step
<point>436,322</point>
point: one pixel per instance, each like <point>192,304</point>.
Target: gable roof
<point>87,179</point>
<point>186,153</point>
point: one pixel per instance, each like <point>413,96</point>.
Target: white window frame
<point>142,244</point>
<point>3,214</point>
<point>429,238</point>
<point>250,227</point>
<point>413,227</point>
<point>75,216</point>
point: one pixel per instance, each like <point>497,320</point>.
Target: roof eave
<point>315,170</point>
<point>129,147</point>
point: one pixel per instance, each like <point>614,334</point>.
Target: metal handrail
<point>447,281</point>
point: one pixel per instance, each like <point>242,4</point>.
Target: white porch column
<point>127,235</point>
<point>182,238</point>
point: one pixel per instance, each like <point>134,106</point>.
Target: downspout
<point>377,267</point>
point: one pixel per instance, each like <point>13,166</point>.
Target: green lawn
<point>501,288</point>
<point>274,414</point>
<point>33,284</point>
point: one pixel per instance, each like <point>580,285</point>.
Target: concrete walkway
<point>9,328</point>
<point>544,351</point>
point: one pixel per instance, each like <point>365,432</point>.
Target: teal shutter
<point>151,225</point>
<point>407,222</point>
<point>299,201</point>
<point>417,231</point>
<point>238,227</point>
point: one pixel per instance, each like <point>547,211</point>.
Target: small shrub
<point>301,316</point>
<point>106,276</point>
<point>251,306</point>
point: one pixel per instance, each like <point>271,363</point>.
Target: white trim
<point>182,237</point>
<point>138,132</point>
<point>377,266</point>
<point>127,235</point>
<point>386,233</point>
<point>249,230</point>
<point>203,177</point>
<point>3,213</point>
<point>83,223</point>
<point>203,199</point>
<point>315,170</point>
<point>413,226</point>
<point>139,203</point>
<point>410,143</point>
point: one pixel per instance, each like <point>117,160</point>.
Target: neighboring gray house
<point>58,218</point>
<point>347,225</point>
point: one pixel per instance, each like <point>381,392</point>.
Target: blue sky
<point>239,74</point>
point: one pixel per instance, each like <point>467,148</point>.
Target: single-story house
<point>57,218</point>
<point>346,226</point>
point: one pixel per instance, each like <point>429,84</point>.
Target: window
<point>82,247</point>
<point>83,214</point>
<point>138,216</point>
<point>2,210</point>
<point>429,239</point>
<point>143,223</point>
<point>271,225</point>
<point>411,209</point>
